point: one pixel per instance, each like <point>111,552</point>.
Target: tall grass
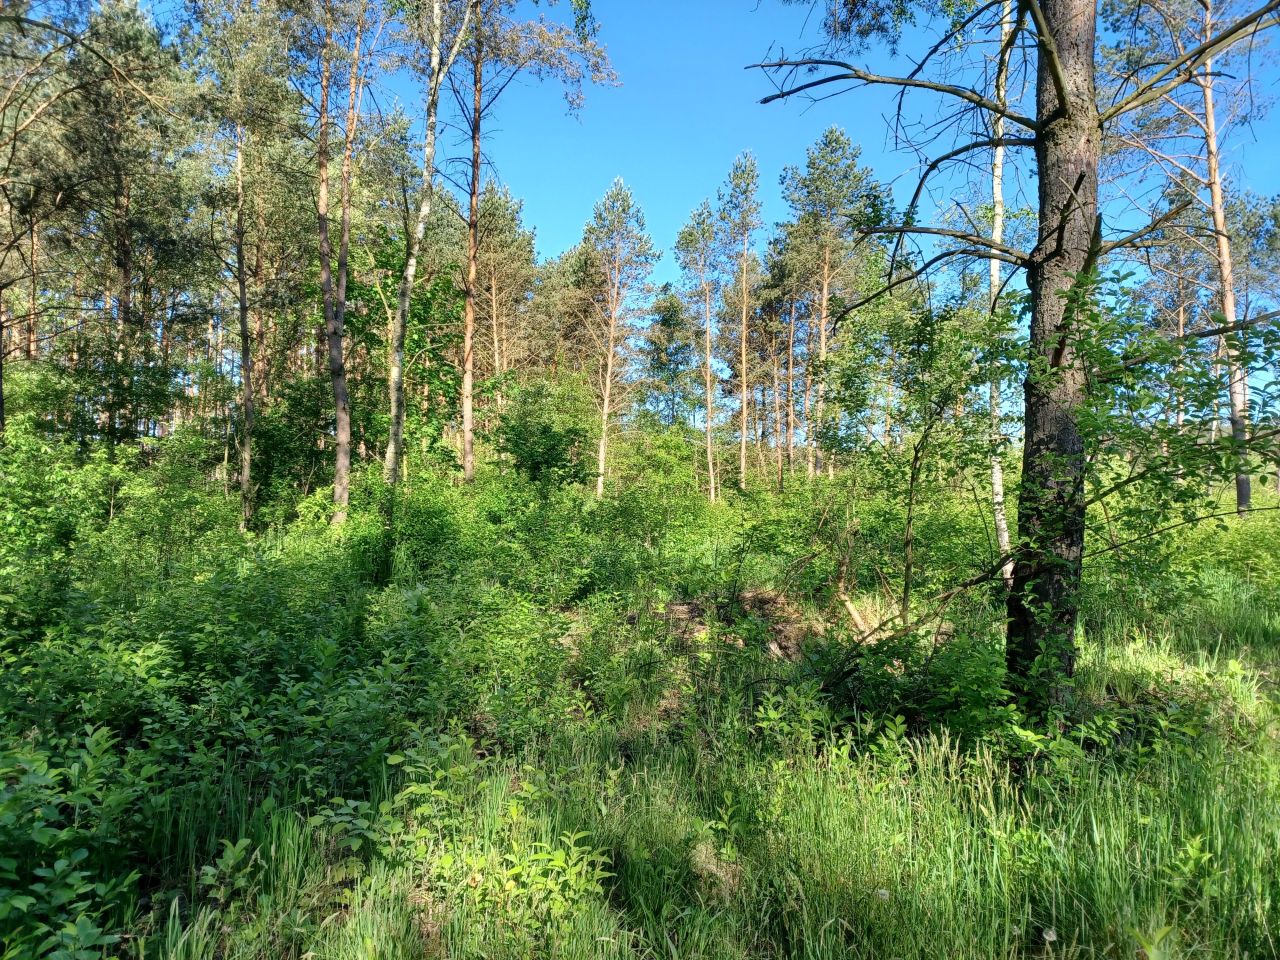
<point>477,729</point>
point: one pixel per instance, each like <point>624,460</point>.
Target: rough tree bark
<point>1237,385</point>
<point>1043,604</point>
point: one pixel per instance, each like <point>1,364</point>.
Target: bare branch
<point>852,73</point>
<point>1013,256</point>
<point>1181,68</point>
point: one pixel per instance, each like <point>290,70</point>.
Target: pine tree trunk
<point>606,395</point>
<point>777,415</point>
<point>709,378</point>
<point>1237,383</point>
<point>810,458</point>
<point>333,317</point>
<point>3,330</point>
<point>742,371</point>
<point>33,300</point>
<point>246,347</point>
<point>791,386</point>
<point>473,252</point>
<point>824,306</point>
<point>1043,604</point>
<point>438,67</point>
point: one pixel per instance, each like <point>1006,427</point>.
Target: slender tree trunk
<point>791,386</point>
<point>1044,603</point>
<point>811,465</point>
<point>334,292</point>
<point>709,379</point>
<point>3,327</point>
<point>1215,422</point>
<point>33,300</point>
<point>439,67</point>
<point>495,325</point>
<point>824,317</point>
<point>606,396</point>
<point>777,415</point>
<point>1179,406</point>
<point>333,339</point>
<point>1237,384</point>
<point>742,370</point>
<point>994,403</point>
<point>246,347</point>
<point>473,251</point>
<point>261,335</point>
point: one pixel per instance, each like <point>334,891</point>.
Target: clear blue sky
<point>685,107</point>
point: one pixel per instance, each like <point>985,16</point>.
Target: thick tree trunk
<point>246,348</point>
<point>1000,518</point>
<point>1043,603</point>
<point>473,253</point>
<point>1237,384</point>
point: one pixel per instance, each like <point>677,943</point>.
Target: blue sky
<point>685,107</point>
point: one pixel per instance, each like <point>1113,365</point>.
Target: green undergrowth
<point>513,722</point>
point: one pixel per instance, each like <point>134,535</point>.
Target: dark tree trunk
<point>1043,603</point>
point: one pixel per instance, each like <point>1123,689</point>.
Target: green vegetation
<point>488,722</point>
<point>897,580</point>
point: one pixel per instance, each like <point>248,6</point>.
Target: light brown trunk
<point>742,369</point>
<point>33,304</point>
<point>824,315</point>
<point>777,414</point>
<point>473,252</point>
<point>246,347</point>
<point>809,443</point>
<point>602,452</point>
<point>1237,384</point>
<point>791,386</point>
<point>709,381</point>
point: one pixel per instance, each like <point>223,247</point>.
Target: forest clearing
<point>873,552</point>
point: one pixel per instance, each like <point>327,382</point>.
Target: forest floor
<point>503,726</point>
